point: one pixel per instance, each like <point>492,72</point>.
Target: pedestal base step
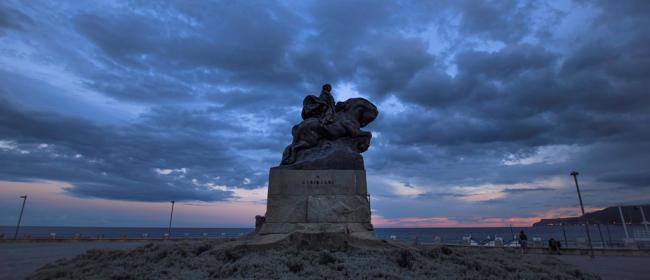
<point>273,228</point>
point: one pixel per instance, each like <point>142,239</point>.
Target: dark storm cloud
<point>12,18</point>
<point>425,127</point>
<point>121,162</point>
<point>507,21</point>
<point>368,49</point>
<point>629,179</point>
<point>391,64</point>
<point>520,95</point>
<point>145,88</point>
<point>196,120</point>
<point>521,190</point>
<point>505,63</point>
<point>168,56</point>
<point>506,93</point>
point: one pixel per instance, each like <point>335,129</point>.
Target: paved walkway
<point>612,267</point>
<point>18,260</point>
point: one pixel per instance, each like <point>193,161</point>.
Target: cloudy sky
<point>109,110</point>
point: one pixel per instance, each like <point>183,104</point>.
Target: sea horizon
<point>451,235</point>
<point>251,227</point>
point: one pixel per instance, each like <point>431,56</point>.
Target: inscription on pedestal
<point>310,182</point>
<point>317,180</point>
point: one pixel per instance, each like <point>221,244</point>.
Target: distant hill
<point>608,215</point>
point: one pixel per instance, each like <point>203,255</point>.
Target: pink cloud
<point>48,204</point>
<point>414,222</point>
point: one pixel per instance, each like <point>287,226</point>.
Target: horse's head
<point>360,108</point>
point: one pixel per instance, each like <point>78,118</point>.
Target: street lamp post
<point>575,179</point>
<point>645,222</point>
<point>620,211</point>
<point>171,215</point>
<point>20,218</point>
<point>566,242</point>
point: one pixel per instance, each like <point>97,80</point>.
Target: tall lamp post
<point>645,222</point>
<point>169,229</point>
<point>24,197</point>
<point>575,179</point>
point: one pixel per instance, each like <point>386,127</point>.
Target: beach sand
<point>310,256</point>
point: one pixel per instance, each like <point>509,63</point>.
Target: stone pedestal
<point>317,201</point>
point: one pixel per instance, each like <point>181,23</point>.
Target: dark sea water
<point>611,234</point>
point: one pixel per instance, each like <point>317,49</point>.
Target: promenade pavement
<point>612,267</point>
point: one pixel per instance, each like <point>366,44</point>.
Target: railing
<point>535,242</point>
<point>140,236</point>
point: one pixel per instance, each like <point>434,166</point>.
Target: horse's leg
<point>287,155</point>
<point>300,146</point>
<point>293,150</point>
<point>365,137</point>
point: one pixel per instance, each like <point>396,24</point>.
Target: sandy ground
<point>306,256</point>
<point>613,267</point>
<point>17,260</point>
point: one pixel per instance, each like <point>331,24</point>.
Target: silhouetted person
<point>553,245</point>
<point>523,241</point>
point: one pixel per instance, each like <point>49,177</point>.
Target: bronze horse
<point>348,119</point>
